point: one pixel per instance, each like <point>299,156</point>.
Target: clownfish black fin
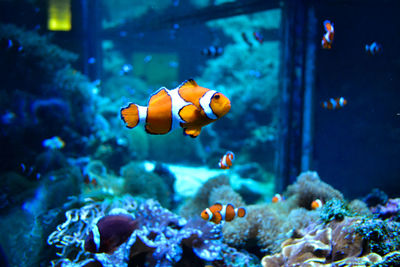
<point>130,115</point>
<point>188,113</point>
<point>189,83</point>
<point>192,131</point>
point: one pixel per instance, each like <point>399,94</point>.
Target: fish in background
<point>277,198</point>
<point>246,40</point>
<point>54,143</point>
<point>11,45</point>
<point>126,68</point>
<point>218,212</point>
<point>334,103</point>
<point>109,233</point>
<point>188,106</point>
<point>316,204</point>
<point>258,36</point>
<point>212,51</point>
<point>373,48</point>
<point>227,160</point>
<point>327,39</point>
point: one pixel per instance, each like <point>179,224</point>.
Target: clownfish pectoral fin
<point>192,131</point>
<point>189,113</point>
<point>188,83</point>
<point>130,115</point>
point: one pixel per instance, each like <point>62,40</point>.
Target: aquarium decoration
<point>59,15</point>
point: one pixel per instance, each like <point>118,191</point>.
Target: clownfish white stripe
<point>223,212</point>
<point>177,104</point>
<point>341,101</point>
<point>96,237</point>
<point>209,213</point>
<point>142,114</point>
<point>224,161</point>
<point>205,101</point>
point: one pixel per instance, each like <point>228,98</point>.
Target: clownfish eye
<point>216,96</point>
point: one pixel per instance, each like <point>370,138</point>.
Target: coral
<point>147,184</point>
<point>390,259</point>
<point>46,95</point>
<point>376,197</point>
<point>201,200</point>
<point>381,236</point>
<point>334,209</point>
<point>390,209</point>
<point>225,194</point>
<point>359,207</point>
<point>330,245</point>
<point>163,238</point>
<point>309,187</point>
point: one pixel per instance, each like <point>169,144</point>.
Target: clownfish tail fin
<point>133,114</point>
<point>240,212</point>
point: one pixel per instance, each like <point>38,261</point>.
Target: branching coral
<point>69,236</point>
<point>162,239</point>
<point>309,187</point>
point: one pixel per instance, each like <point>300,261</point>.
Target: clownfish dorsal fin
<point>158,95</point>
<point>189,113</point>
<point>192,131</point>
<point>188,83</point>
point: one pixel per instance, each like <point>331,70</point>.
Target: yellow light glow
<point>59,15</point>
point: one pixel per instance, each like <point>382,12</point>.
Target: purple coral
<point>165,239</point>
<point>390,209</point>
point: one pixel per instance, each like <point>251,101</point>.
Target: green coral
<point>381,236</point>
<point>334,209</point>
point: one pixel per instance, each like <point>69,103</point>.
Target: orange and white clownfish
<point>109,233</point>
<point>277,198</point>
<point>227,160</point>
<point>327,39</point>
<point>316,204</point>
<point>334,103</point>
<point>189,106</point>
<point>218,212</point>
<point>373,48</point>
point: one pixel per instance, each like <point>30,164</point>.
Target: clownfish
<point>316,204</point>
<point>277,198</point>
<point>373,48</point>
<point>334,103</point>
<point>327,39</point>
<point>227,160</point>
<point>109,233</point>
<point>218,212</point>
<point>189,106</point>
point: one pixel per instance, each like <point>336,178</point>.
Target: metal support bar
<point>296,76</point>
<point>167,21</point>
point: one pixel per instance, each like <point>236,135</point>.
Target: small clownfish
<point>373,48</point>
<point>316,204</point>
<point>327,39</point>
<point>334,103</point>
<point>218,212</point>
<point>109,233</point>
<point>277,198</point>
<point>227,160</point>
<point>189,106</point>
<point>258,37</point>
